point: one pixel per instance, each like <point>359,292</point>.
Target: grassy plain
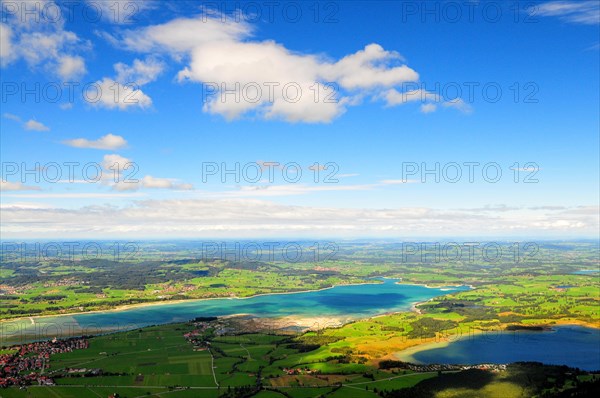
<point>159,361</point>
<point>162,272</point>
<point>536,288</point>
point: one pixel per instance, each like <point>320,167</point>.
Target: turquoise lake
<point>587,272</point>
<point>341,302</point>
<point>570,345</point>
<point>575,346</point>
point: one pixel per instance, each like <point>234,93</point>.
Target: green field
<point>541,290</point>
<point>156,361</point>
<point>159,272</point>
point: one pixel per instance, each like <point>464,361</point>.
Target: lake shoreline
<point>406,355</point>
<point>309,321</point>
<point>178,301</point>
<point>411,353</point>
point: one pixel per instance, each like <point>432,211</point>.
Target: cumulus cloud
<point>124,91</point>
<point>182,35</point>
<point>108,141</point>
<point>43,43</point>
<point>35,126</point>
<point>369,68</point>
<point>7,53</point>
<point>70,67</point>
<point>107,93</point>
<point>121,174</point>
<point>428,108</point>
<point>140,72</point>
<point>242,76</point>
<point>251,70</point>
<point>112,160</point>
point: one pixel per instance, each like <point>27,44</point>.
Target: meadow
<point>160,272</point>
<point>553,287</point>
<point>160,360</point>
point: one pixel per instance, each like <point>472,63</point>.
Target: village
<point>25,364</point>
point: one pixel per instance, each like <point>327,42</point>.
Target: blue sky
<point>396,67</point>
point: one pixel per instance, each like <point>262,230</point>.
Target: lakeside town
<point>25,364</point>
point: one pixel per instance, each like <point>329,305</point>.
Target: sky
<point>350,119</point>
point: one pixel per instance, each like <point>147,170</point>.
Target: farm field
<point>55,285</point>
<point>201,359</point>
<point>243,356</point>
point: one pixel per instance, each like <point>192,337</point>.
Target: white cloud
<point>395,97</point>
<point>7,53</point>
<point>121,174</point>
<point>24,205</point>
<point>16,186</point>
<point>182,35</point>
<point>38,47</point>
<point>140,72</point>
<point>252,218</point>
<point>110,94</point>
<point>459,104</point>
<point>429,100</point>
<point>35,126</point>
<point>31,124</point>
<point>43,43</point>
<point>10,116</point>
<point>236,65</point>
<point>115,161</point>
<point>223,54</point>
<point>71,67</point>
<point>108,141</point>
<point>578,12</point>
<point>428,108</point>
<point>124,90</point>
<point>369,68</point>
